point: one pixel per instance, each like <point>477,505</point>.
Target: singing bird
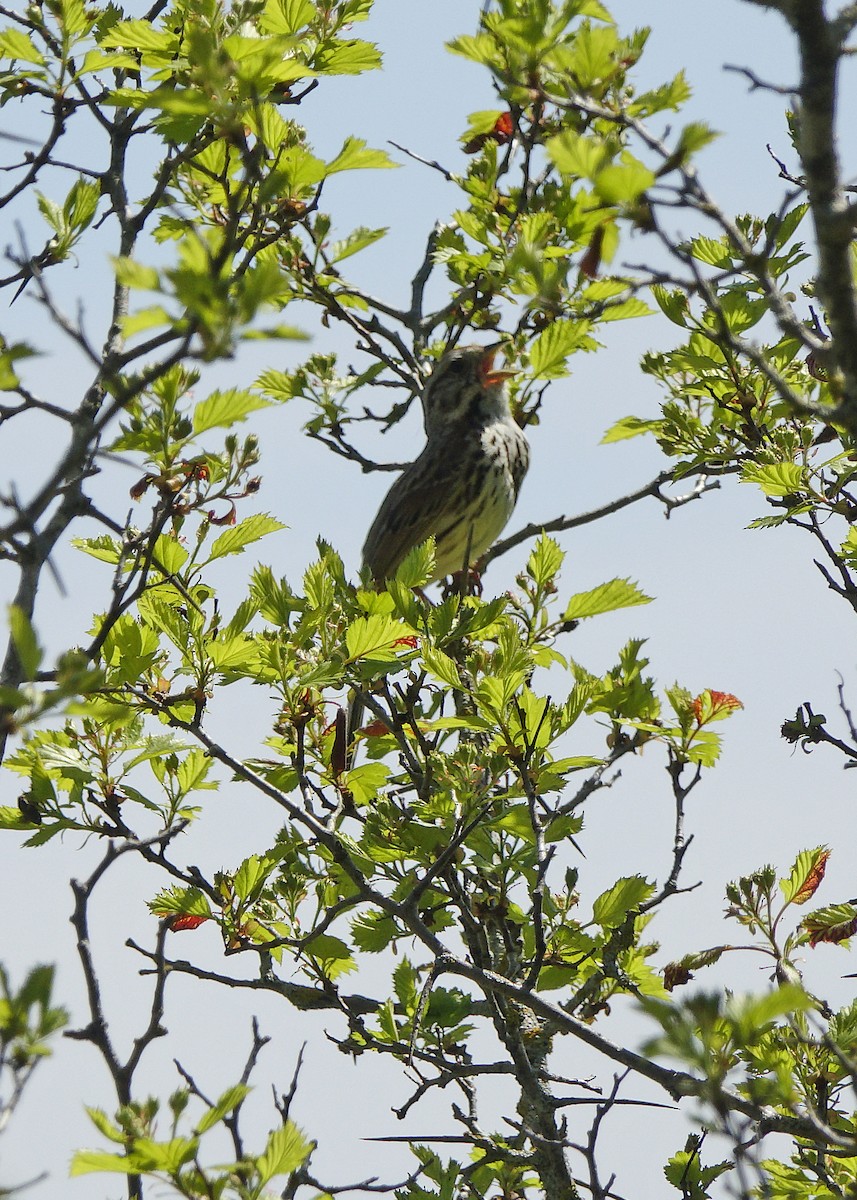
<point>463,487</point>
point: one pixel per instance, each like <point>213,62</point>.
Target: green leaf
<point>105,1126</point>
<point>222,409</point>
<point>480,49</point>
<point>84,1162</point>
<point>553,346</point>
<point>331,952</point>
<point>805,876</point>
<point>286,16</point>
<point>355,155</point>
<point>233,541</point>
<point>356,241</point>
<point>364,782</point>
<point>95,60</point>
<point>713,251</point>
<point>416,567</point>
<point>611,907</point>
<point>686,1173</point>
<point>141,35</point>
<point>16,45</point>
<point>576,155</point>
<point>618,593</point>
<point>81,203</point>
<point>348,58</point>
<point>695,136</point>
<point>224,1105</point>
<point>144,1155</point>
<point>775,479</point>
<point>192,772</point>
<point>372,931</point>
<point>26,643</point>
<point>130,273</point>
<point>441,666</point>
<point>545,560</point>
<point>672,303</point>
<point>169,554</point>
<point>623,183</point>
<point>378,636</point>
<point>187,901</point>
<point>628,427</point>
<point>252,875</point>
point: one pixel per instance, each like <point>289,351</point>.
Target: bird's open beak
<point>489,376</point>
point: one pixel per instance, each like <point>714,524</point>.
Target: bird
<point>463,487</point>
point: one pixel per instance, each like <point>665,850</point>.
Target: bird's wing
<point>409,514</point>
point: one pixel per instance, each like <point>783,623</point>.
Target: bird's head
<point>465,386</point>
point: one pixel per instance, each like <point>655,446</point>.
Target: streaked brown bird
<point>463,487</point>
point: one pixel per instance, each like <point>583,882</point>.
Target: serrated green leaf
<point>222,409</point>
<point>252,875</point>
<point>713,251</point>
<point>364,782</point>
<point>193,770</point>
<point>105,1126</point>
<point>775,479</point>
<point>355,155</point>
<point>286,16</point>
<point>441,666</point>
<point>234,540</point>
<point>372,931</point>
<point>378,636</point>
<point>81,203</point>
<point>16,45</point>
<point>628,427</point>
<point>545,560</point>
<point>356,241</point>
<point>96,60</point>
<point>618,593</point>
<point>553,346</point>
<point>348,58</point>
<point>805,876</point>
<point>695,136</point>
<point>188,901</point>
<point>611,907</point>
<point>169,555</point>
<point>141,35</point>
<point>84,1162</point>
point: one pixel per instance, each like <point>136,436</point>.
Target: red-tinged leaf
<point>411,641</point>
<point>183,921</point>
<point>835,924</point>
<point>141,486</point>
<point>591,261</point>
<point>228,519</point>
<point>376,728</point>
<point>676,974</point>
<point>711,705</point>
<point>833,933</point>
<point>501,133</point>
<point>476,143</point>
<point>813,879</point>
<point>503,129</point>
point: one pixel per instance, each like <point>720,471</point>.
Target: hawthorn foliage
<point>440,839</point>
